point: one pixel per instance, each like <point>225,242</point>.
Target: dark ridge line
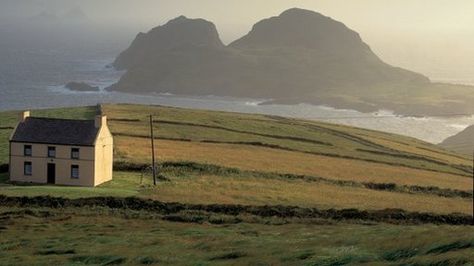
<point>5,128</point>
<point>245,132</point>
<point>466,169</point>
<point>289,121</point>
<point>440,151</point>
<point>226,171</point>
<point>338,133</point>
<point>407,155</point>
<point>395,216</point>
<point>271,146</point>
<point>375,145</point>
<point>445,152</point>
<point>341,134</point>
<point>124,120</point>
<point>360,140</point>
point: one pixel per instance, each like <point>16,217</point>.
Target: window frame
<point>25,148</point>
<point>74,166</point>
<point>78,153</point>
<point>53,148</point>
<point>25,164</point>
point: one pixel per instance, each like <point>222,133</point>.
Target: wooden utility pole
<point>152,151</point>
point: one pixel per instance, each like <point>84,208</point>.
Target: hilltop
<point>298,56</point>
<point>463,142</point>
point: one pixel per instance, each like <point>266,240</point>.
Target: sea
<point>34,70</point>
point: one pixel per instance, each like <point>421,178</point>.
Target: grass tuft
<point>451,247</point>
<point>229,256</point>
<point>341,260</point>
<point>99,260</point>
<point>56,252</point>
<point>147,260</point>
<point>400,254</point>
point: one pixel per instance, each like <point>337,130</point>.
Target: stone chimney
<point>100,120</point>
<point>24,115</point>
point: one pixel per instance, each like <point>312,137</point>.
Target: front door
<point>51,173</point>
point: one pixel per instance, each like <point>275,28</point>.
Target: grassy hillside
<point>339,162</point>
<point>463,142</point>
<point>216,158</point>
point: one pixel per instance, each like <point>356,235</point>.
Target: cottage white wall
<point>63,162</point>
<point>103,155</point>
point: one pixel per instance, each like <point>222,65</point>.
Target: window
<point>52,152</point>
<point>75,171</point>
<point>27,150</point>
<point>27,168</point>
<point>75,153</point>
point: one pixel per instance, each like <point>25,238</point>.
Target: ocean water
<point>33,76</point>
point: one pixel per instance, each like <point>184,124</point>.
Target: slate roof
<point>56,131</point>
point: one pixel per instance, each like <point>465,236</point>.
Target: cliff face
<point>462,142</point>
<point>298,56</point>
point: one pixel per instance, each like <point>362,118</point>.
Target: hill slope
<point>219,157</point>
<point>462,142</point>
<point>298,56</point>
<point>239,189</point>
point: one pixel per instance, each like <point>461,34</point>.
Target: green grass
<point>211,184</point>
<point>123,185</point>
<point>288,134</point>
<point>101,236</point>
<point>347,144</point>
<point>83,237</point>
<point>277,132</point>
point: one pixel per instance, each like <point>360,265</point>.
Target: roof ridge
<point>54,118</point>
<point>58,131</point>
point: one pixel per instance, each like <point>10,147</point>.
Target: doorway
<point>51,173</point>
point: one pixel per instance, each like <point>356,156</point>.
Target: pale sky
<point>434,37</point>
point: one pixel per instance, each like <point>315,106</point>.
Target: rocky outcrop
<point>81,86</point>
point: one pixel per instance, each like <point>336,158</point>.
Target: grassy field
<point>228,158</point>
<point>104,237</point>
<point>267,144</point>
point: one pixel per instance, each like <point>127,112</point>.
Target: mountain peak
<point>180,33</point>
<point>301,28</point>
<point>295,11</point>
<point>179,19</point>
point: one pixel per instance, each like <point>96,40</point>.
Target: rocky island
<point>300,56</point>
<point>81,86</point>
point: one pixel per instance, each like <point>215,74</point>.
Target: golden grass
<point>261,191</point>
<point>272,160</point>
<point>406,147</point>
<point>345,141</point>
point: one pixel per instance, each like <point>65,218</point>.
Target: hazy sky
<point>435,37</point>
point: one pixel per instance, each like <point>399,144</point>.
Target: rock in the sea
<point>81,86</point>
<point>300,56</point>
